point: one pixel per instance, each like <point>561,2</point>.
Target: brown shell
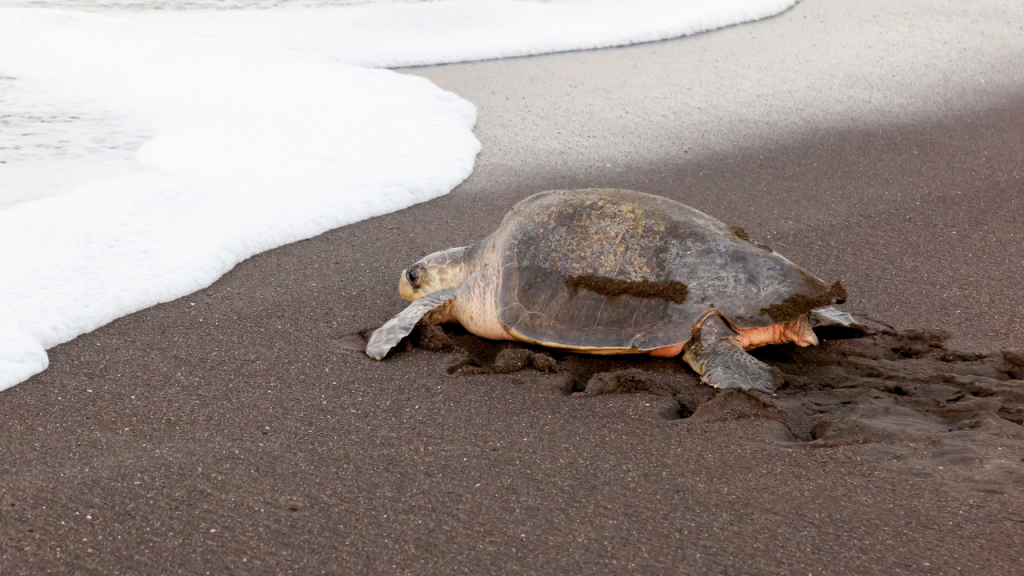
<point>619,269</point>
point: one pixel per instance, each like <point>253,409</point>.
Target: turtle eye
<point>414,273</point>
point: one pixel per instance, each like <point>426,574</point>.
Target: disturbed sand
<point>236,431</point>
<point>882,386</point>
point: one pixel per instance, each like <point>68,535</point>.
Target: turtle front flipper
<point>432,309</point>
<point>717,356</point>
<point>723,364</point>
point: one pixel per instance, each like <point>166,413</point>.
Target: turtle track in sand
<point>898,395</point>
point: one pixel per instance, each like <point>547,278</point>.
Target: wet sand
<point>233,431</point>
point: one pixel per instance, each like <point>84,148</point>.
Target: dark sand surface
<point>232,431</point>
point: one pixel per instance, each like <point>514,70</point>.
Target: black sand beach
<point>233,431</point>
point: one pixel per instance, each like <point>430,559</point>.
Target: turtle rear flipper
<point>432,308</point>
<point>723,364</point>
<point>834,323</point>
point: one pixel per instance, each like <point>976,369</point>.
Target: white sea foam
<point>390,34</point>
<point>144,154</point>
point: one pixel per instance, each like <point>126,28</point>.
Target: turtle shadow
<point>683,396</point>
<point>590,375</point>
<point>680,389</point>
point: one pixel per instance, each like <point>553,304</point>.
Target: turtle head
<point>438,271</point>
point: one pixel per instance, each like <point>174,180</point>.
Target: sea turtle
<point>620,272</point>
